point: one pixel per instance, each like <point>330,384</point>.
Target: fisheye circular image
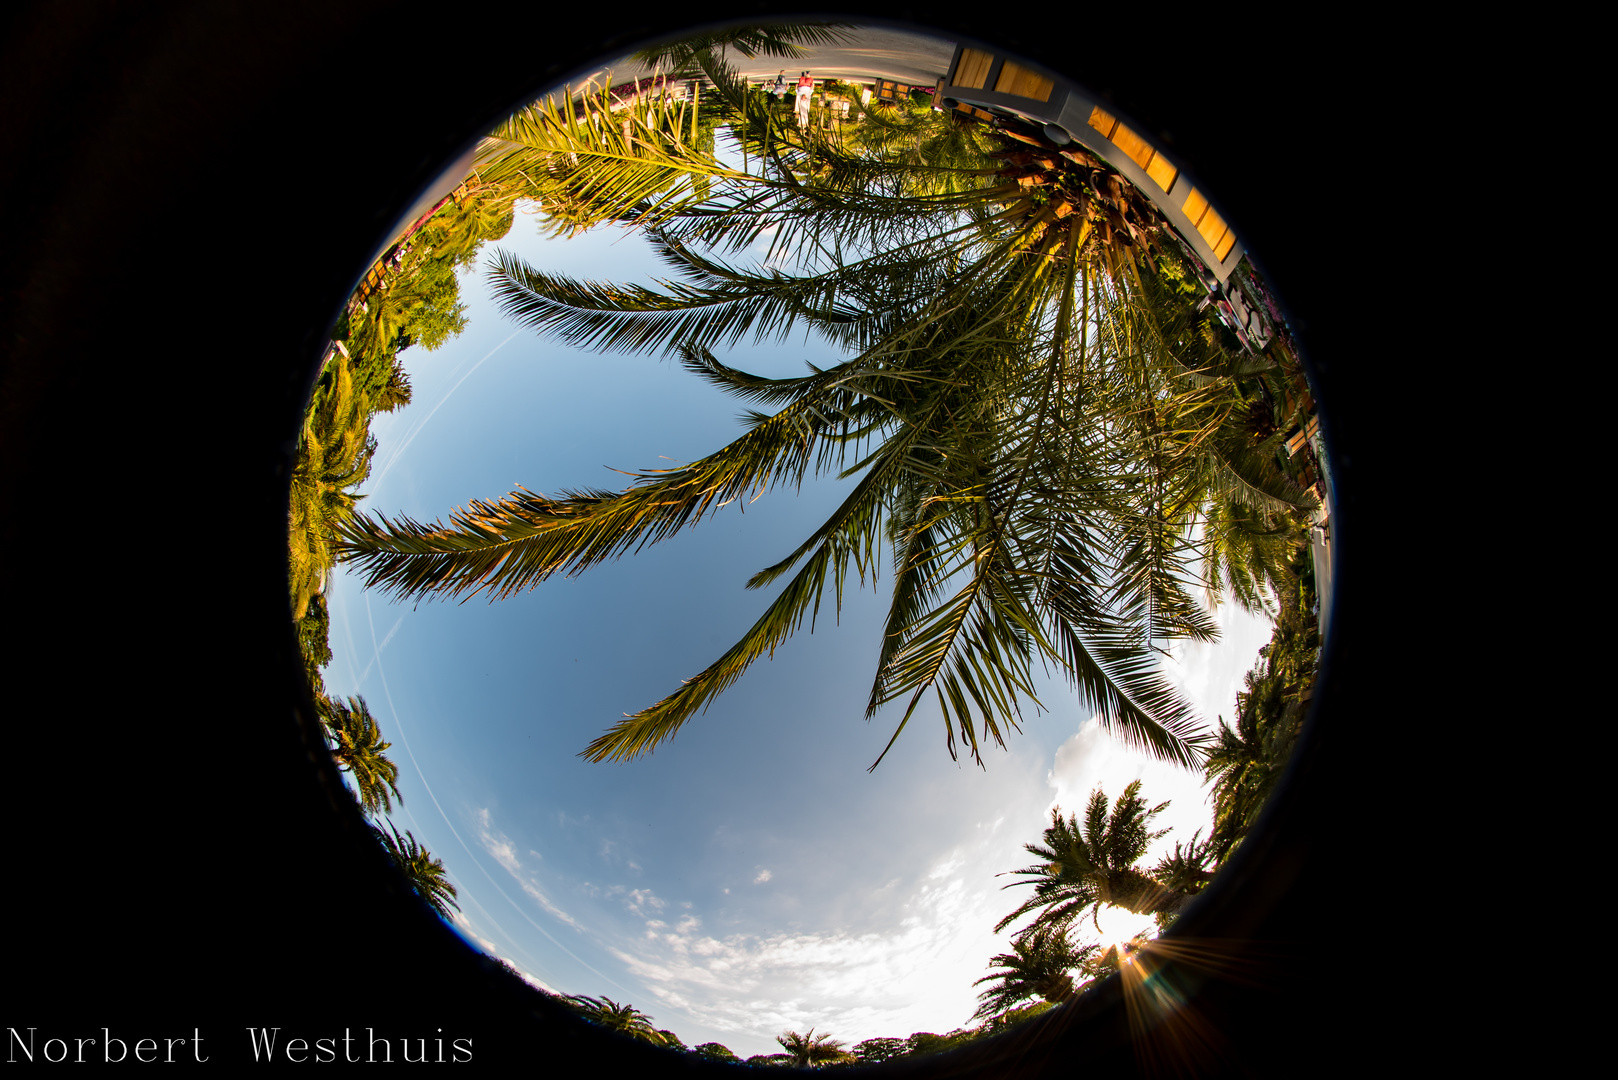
<point>812,543</point>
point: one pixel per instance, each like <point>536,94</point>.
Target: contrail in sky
<point>415,429</point>
<point>377,660</point>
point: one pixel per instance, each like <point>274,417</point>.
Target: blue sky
<point>751,876</point>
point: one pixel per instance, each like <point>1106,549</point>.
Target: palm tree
<point>425,873</point>
<point>1248,550</point>
<point>1039,417</point>
<point>624,1019</point>
<point>360,751</point>
<point>1038,965</point>
<point>812,1051</point>
<point>1084,866</point>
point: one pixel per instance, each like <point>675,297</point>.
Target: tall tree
<point>1038,417</point>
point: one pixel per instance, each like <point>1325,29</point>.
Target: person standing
<point>806,88</point>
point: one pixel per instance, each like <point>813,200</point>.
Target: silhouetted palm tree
<point>1042,963</point>
<point>1084,866</point>
<point>812,1051</point>
<point>1039,965</point>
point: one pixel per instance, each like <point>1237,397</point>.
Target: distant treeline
<point>409,298</point>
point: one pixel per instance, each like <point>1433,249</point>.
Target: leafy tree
<point>1083,866</point>
<point>314,644</point>
<point>1012,1017</point>
<point>872,1051</point>
<point>812,1051</point>
<point>1040,422</point>
<point>425,873</point>
<point>334,456</point>
<point>360,751</point>
<point>418,301</point>
<point>715,1051</point>
<point>417,305</point>
<point>927,1042</point>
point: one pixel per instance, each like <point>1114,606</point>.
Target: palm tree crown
<point>811,1051</point>
<point>1039,419</point>
<point>425,873</point>
<point>1085,865</point>
<point>360,752</point>
<point>1038,965</point>
<point>624,1019</point>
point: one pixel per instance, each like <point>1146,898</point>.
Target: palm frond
<point>850,534</point>
<point>513,544</point>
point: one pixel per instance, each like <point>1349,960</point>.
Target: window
<point>1139,150</point>
<point>973,70</point>
<point>1019,81</point>
<point>1209,224</point>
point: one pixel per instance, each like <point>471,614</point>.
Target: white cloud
<point>639,900</point>
<point>902,975</point>
<point>906,953</point>
<point>504,852</point>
